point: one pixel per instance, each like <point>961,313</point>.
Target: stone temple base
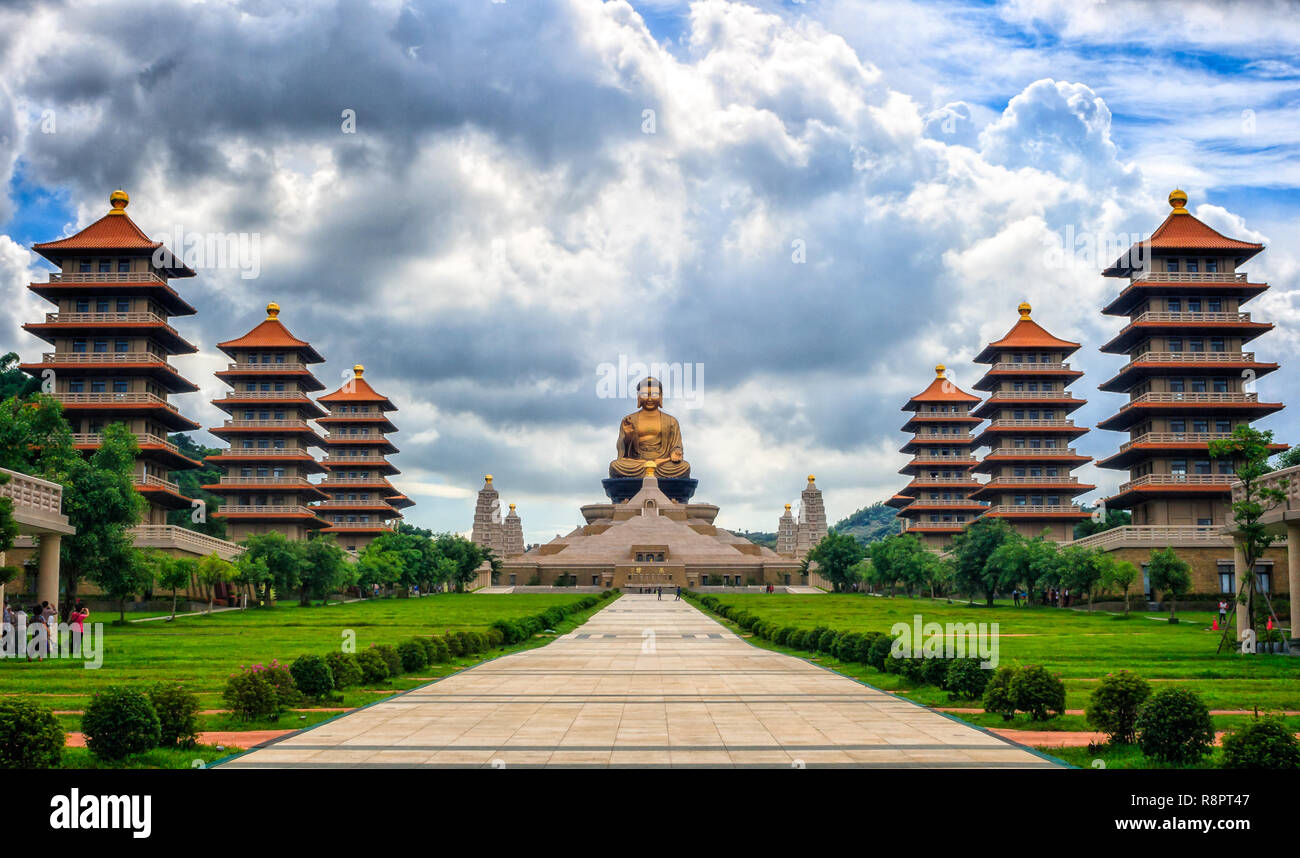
<point>621,489</point>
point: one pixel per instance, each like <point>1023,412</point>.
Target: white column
<point>1293,574</point>
<point>47,579</point>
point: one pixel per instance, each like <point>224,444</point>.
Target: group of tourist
<point>45,616</point>
<point>1048,596</point>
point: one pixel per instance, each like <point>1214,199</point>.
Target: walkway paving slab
<point>644,683</point>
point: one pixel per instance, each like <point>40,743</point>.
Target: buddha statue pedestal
<point>678,489</point>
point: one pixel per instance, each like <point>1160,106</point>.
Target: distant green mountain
<point>758,537</point>
<point>870,524</point>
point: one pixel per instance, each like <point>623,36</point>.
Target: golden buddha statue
<point>649,439</point>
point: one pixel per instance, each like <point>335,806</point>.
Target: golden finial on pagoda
<point>272,311</point>
<point>487,478</point>
<point>1178,199</point>
<point>1024,309</point>
<point>358,370</point>
<point>119,200</point>
<point>940,370</point>
<point>811,478</point>
<point>512,507</point>
<point>787,507</point>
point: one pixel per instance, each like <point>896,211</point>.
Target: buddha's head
<point>649,394</point>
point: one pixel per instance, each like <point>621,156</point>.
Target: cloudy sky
<point>490,204</point>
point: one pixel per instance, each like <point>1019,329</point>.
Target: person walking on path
<point>678,597</point>
<point>659,594</point>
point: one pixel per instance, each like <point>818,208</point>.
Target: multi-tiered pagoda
<point>1188,379</point>
<point>1030,431</point>
<point>264,486</point>
<point>941,446</point>
<point>361,500</point>
<point>112,339</point>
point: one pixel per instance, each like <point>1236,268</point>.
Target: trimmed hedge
<point>120,721</point>
<point>30,735</point>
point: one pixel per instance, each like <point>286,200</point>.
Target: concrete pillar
<point>1239,566</point>
<point>1293,576</point>
<point>47,578</point>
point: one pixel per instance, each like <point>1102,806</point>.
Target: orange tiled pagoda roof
<point>1025,334</point>
<point>272,334</point>
<point>940,390</point>
<point>1181,230</point>
<point>360,391</point>
<point>114,231</point>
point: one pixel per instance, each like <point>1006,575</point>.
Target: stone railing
<point>266,424</point>
<point>268,510</point>
<point>106,277</point>
<point>281,452</point>
<point>1032,452</point>
<point>1191,357</point>
<point>1162,396</point>
<point>255,395</point>
<point>1030,394</point>
<point>172,536</point>
<point>963,502</point>
<point>1175,438</point>
<point>1224,480</point>
<point>32,493</point>
<point>136,317</point>
<point>141,438</point>
<point>1286,480</point>
<point>287,366</point>
<point>1036,509</point>
<point>1156,536</point>
<point>1191,276</point>
<point>1013,366</point>
<point>1165,317</point>
<point>133,398</point>
<point>264,481</point>
<point>1031,424</point>
<point>1033,481</point>
<point>156,482</point>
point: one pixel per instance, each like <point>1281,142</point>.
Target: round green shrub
<point>494,638</point>
<point>455,644</point>
<point>813,642</point>
<point>118,722</point>
<point>251,696</point>
<point>412,654</point>
<point>997,693</point>
<point>934,671</point>
<point>510,631</point>
<point>1262,743</point>
<point>442,652</point>
<point>374,669</point>
<point>430,648</point>
<point>312,676</point>
<point>878,654</point>
<point>468,645</point>
<point>178,714</point>
<point>966,680</point>
<point>389,654</point>
<point>862,651</point>
<point>1174,726</point>
<point>1113,706</point>
<point>30,735</point>
<point>344,669</point>
<point>826,643</point>
<point>1038,692</point>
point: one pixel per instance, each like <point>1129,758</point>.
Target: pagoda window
<point>1178,426</point>
<point>278,443</point>
<point>105,266</point>
<point>100,346</point>
<point>1050,443</point>
<point>1200,425</point>
<point>1035,500</point>
<point>121,346</point>
<point>1193,266</point>
<point>1018,471</point>
<point>1035,472</point>
<point>1018,443</point>
<point>1196,345</point>
<point>123,305</point>
<point>1193,305</point>
<point>247,444</point>
<point>1035,444</point>
<point>1175,344</point>
<point>1217,344</point>
<point>263,443</point>
<point>1018,414</point>
<point>1215,305</point>
<point>1224,426</point>
<point>121,385</point>
<point>264,472</point>
<point>101,305</point>
<point>279,358</point>
<point>1212,266</point>
<point>82,305</point>
<point>76,386</point>
<point>123,266</point>
<point>1226,466</point>
<point>279,415</point>
<point>1178,467</point>
<point>1020,500</point>
<point>1198,385</point>
<point>84,266</point>
<point>1176,385</point>
<point>1051,472</point>
<point>97,386</point>
<point>279,385</point>
<point>1171,264</point>
<point>1033,386</point>
<point>1202,466</point>
<point>79,346</point>
<point>1018,386</point>
<point>1220,385</point>
<point>246,472</point>
<point>1175,305</point>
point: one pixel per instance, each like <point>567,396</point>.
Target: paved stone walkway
<point>644,683</point>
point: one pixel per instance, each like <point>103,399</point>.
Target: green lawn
<point>203,651</point>
<point>1080,646</point>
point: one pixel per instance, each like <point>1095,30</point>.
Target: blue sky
<point>502,224</point>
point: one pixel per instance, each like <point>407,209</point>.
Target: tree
<point>459,559</point>
<point>380,563</point>
<point>279,557</point>
<point>121,580</point>
<point>1171,575</point>
<point>1021,562</point>
<point>1111,519</point>
<point>8,536</point>
<point>100,501</point>
<point>1248,448</point>
<point>971,550</point>
<point>35,439</point>
<point>175,574</point>
<point>1081,569</point>
<point>211,571</point>
<point>13,381</point>
<point>1118,574</point>
<point>191,484</point>
<point>835,556</point>
<point>325,569</point>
